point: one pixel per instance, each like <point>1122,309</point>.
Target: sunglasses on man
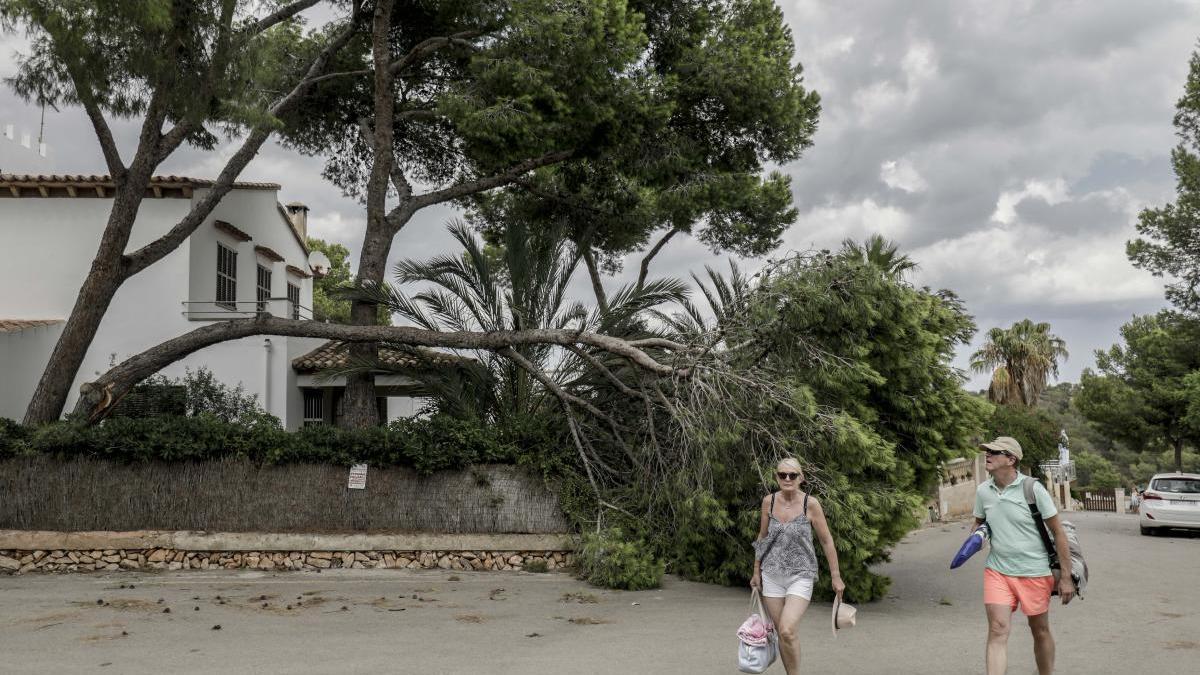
<point>785,475</point>
<point>993,453</point>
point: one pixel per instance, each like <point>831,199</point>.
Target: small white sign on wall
<point>358,477</point>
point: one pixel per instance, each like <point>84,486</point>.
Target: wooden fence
<point>1104,500</point>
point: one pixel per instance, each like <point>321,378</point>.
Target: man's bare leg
<point>1043,643</point>
<point>999,623</point>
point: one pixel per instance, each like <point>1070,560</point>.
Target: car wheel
<point>1147,531</point>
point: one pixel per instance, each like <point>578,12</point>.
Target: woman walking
<point>785,562</point>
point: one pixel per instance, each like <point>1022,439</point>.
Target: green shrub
<point>425,445</point>
<point>12,436</point>
<point>610,560</point>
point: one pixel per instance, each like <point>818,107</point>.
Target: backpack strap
<point>1031,498</point>
<point>771,512</point>
<point>805,504</point>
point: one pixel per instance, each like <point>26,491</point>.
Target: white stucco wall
<point>48,246</point>
<point>256,213</point>
<point>50,242</point>
<point>22,357</point>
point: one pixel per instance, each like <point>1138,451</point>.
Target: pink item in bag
<point>755,630</point>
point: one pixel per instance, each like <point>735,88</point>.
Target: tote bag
<point>758,644</point>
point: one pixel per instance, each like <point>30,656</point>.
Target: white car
<point>1171,500</point>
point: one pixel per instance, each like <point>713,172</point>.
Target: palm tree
<point>521,285</point>
<point>727,301</point>
<point>1020,359</point>
<point>880,253</point>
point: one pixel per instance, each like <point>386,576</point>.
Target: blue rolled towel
<point>971,546</point>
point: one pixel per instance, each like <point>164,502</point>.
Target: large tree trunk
<point>358,401</point>
<point>103,281</point>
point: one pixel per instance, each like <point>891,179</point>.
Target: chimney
<point>298,212</point>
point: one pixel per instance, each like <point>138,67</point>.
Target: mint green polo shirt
<point>1016,546</point>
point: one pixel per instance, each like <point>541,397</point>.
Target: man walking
<point>1018,570</point>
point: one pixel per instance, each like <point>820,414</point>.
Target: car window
<point>1184,485</point>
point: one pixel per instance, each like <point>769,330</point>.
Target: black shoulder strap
<point>805,504</point>
<point>771,513</point>
<point>1031,498</point>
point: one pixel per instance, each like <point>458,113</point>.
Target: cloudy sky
<point>1006,146</point>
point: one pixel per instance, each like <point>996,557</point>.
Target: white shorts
<point>778,587</point>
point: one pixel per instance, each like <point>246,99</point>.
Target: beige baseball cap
<point>1005,444</point>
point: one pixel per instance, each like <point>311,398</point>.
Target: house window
<point>314,407</point>
<point>264,287</point>
<point>226,277</point>
<point>294,299</point>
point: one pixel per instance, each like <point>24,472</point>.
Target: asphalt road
<point>1141,614</point>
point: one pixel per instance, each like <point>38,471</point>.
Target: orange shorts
<point>1031,593</point>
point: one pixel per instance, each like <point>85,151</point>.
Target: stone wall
<point>65,560</point>
<point>955,495</point>
<point>23,551</point>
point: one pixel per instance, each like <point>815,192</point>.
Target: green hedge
<point>614,560</point>
<point>426,445</point>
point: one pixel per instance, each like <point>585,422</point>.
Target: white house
<point>249,255</point>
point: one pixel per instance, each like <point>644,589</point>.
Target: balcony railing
<point>1059,472</point>
<point>211,310</point>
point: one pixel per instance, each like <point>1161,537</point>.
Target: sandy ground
<point>1141,614</point>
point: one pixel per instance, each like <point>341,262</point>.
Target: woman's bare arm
<point>816,515</point>
<point>755,579</point>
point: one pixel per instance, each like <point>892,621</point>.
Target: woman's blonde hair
<point>791,463</point>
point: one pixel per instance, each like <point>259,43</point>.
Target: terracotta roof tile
<point>17,325</point>
<point>15,183</point>
<point>334,354</point>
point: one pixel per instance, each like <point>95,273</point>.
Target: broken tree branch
<point>124,376</point>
